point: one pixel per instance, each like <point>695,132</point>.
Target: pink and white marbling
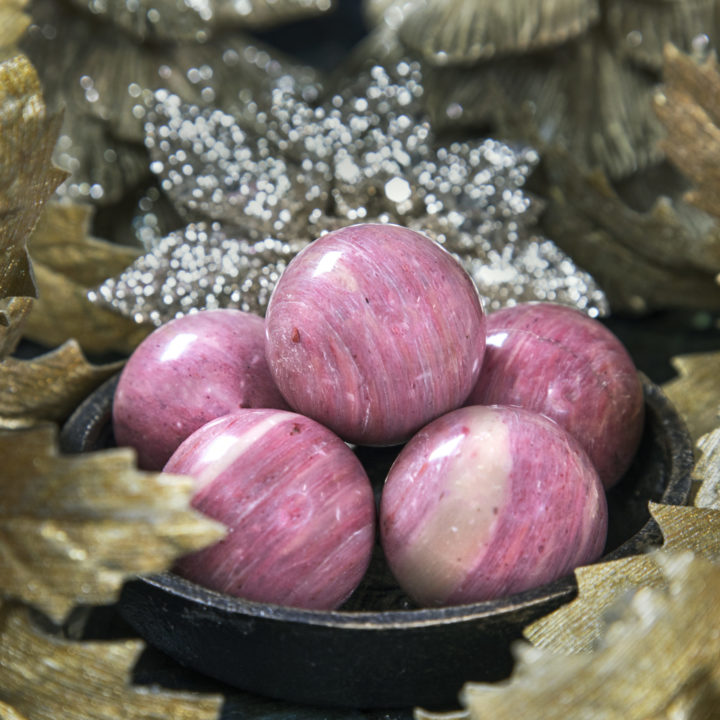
<point>374,330</point>
<point>560,362</point>
<point>488,501</point>
<point>297,502</point>
<point>186,373</point>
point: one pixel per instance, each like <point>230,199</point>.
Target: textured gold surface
<point>73,528</point>
<point>67,262</point>
<point>707,471</point>
<point>48,387</point>
<point>461,31</point>
<point>27,176</point>
<point>13,23</point>
<point>696,391</point>
<point>689,107</point>
<point>576,627</point>
<point>658,659</point>
<point>13,312</point>
<point>47,678</point>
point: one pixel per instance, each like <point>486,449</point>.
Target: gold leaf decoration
<point>576,627</point>
<point>45,677</point>
<point>68,262</point>
<point>462,31</point>
<point>13,312</point>
<point>689,107</point>
<point>658,659</point>
<point>49,387</point>
<point>707,471</point>
<point>695,393</point>
<point>13,23</point>
<point>640,29</point>
<point>73,528</point>
<point>27,176</point>
<point>645,256</point>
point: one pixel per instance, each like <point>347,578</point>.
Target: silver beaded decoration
<point>290,170</point>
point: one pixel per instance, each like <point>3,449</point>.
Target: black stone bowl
<point>378,651</point>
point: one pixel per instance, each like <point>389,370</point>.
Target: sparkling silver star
<point>290,169</point>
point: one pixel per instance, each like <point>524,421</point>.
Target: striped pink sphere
<point>557,361</point>
<point>297,503</point>
<point>187,372</point>
<point>374,330</point>
<point>489,501</point>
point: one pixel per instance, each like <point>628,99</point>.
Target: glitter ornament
<point>288,168</point>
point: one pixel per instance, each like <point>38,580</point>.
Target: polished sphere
<point>488,501</point>
<point>560,362</point>
<point>187,372</point>
<point>297,503</point>
<point>374,330</point>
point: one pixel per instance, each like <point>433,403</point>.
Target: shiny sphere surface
<point>184,374</point>
<point>374,330</point>
<point>560,362</point>
<point>487,501</point>
<point>297,503</point>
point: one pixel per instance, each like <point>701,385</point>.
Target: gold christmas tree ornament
<point>75,527</point>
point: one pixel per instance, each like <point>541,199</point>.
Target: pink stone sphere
<point>374,330</point>
<point>487,501</point>
<point>560,362</point>
<point>298,506</point>
<point>184,374</point>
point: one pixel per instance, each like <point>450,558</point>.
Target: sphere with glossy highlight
<point>560,362</point>
<point>374,330</point>
<point>297,503</point>
<point>488,501</point>
<point>184,374</point>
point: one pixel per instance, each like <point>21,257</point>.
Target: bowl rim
<point>97,409</point>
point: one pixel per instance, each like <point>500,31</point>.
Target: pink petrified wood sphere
<point>297,503</point>
<point>190,371</point>
<point>487,501</point>
<point>560,362</point>
<point>374,330</point>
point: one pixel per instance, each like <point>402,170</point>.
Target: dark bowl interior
<point>378,651</point>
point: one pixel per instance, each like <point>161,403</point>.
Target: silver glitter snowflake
<point>290,169</point>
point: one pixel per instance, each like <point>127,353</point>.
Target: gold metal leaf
<point>49,387</point>
<point>13,312</point>
<point>9,713</point>
<point>73,528</point>
<point>707,471</point>
<point>464,31</point>
<point>689,107</point>
<point>576,627</point>
<point>68,262</point>
<point>27,176</point>
<point>13,24</point>
<point>658,659</point>
<point>557,94</point>
<point>695,393</point>
<point>664,256</point>
<point>47,678</point>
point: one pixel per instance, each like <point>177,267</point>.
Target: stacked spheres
<point>509,427</point>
